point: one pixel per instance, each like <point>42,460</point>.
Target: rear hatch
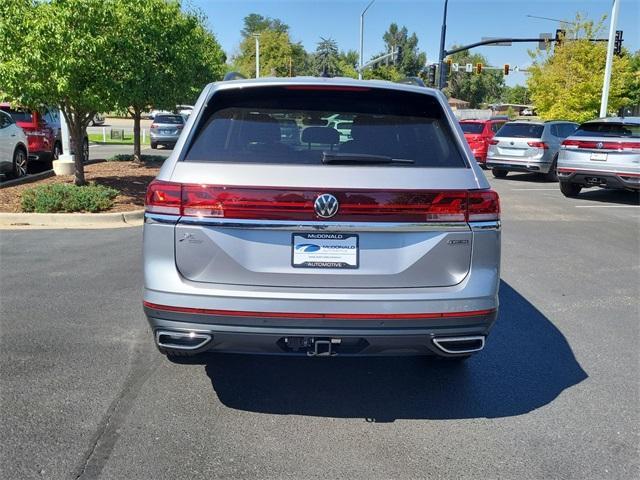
<point>518,141</point>
<point>388,208</point>
<point>167,125</point>
<point>607,146</point>
<point>473,133</point>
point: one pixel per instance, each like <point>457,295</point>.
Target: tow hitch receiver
<point>323,347</point>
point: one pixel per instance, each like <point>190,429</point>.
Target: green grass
<point>97,138</point>
<point>146,159</point>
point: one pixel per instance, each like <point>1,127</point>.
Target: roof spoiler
<point>233,76</point>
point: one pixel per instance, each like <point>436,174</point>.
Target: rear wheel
<point>569,189</point>
<point>19,163</point>
<point>499,173</point>
<point>552,175</point>
<point>154,145</point>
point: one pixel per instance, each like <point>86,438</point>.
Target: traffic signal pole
<point>607,69</point>
<point>443,53</point>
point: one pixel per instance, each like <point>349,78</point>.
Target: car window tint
<point>172,119</point>
<point>258,126</point>
<point>608,129</point>
<point>472,127</point>
<point>21,115</point>
<point>521,130</point>
<point>567,129</point>
<point>555,130</point>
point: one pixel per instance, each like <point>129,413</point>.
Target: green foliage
<point>276,55</point>
<point>517,94</point>
<point>566,82</point>
<point>486,87</point>
<point>256,23</point>
<point>384,72</point>
<point>64,197</point>
<point>146,159</point>
<point>511,113</point>
<point>327,57</point>
<point>632,87</point>
<point>412,60</point>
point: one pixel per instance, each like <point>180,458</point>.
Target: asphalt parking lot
<point>555,394</point>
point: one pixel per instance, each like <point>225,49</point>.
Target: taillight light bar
<point>264,203</point>
<point>538,145</point>
<point>332,316</point>
<point>593,145</point>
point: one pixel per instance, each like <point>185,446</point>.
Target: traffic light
<point>560,33</point>
<point>506,69</point>
<point>617,46</point>
<point>449,62</point>
<point>478,68</point>
<point>398,55</point>
<point>432,75</point>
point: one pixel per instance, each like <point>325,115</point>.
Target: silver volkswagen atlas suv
<point>385,241</point>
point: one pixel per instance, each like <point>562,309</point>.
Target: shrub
<point>65,197</point>
<point>125,157</point>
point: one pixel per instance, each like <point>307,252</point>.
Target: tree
<point>517,94</point>
<point>326,57</point>
<point>61,53</point>
<point>276,54</point>
<point>256,23</point>
<point>567,82</point>
<point>347,64</point>
<point>475,89</point>
<point>632,87</point>
<point>412,60</point>
<point>170,56</point>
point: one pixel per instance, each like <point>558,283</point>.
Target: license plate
<point>514,152</point>
<point>324,250</point>
<point>594,180</point>
<point>165,132</point>
<point>599,157</point>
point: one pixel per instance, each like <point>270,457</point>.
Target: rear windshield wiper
<point>361,158</point>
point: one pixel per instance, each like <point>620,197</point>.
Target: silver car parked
<point>528,147</point>
<point>166,129</point>
<point>601,153</point>
<point>386,243</point>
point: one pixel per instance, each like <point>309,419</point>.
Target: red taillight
<point>154,125</point>
<point>593,145</point>
<point>336,88</point>
<point>493,142</point>
<point>251,203</point>
<point>538,145</point>
<point>179,127</point>
<point>164,197</point>
<point>484,205</point>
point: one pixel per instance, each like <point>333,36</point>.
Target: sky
<point>468,21</point>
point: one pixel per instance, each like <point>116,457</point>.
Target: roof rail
<point>417,81</point>
<point>233,76</point>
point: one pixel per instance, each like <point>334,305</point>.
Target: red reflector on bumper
<point>336,316</point>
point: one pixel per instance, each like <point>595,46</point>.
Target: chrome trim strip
<point>489,225</point>
<point>160,218</point>
<point>325,226</point>
<point>437,341</point>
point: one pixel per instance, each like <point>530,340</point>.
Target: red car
<point>41,129</point>
<point>478,133</point>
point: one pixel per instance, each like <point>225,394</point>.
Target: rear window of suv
<point>294,125</point>
<point>172,119</point>
<point>607,129</point>
<point>20,115</point>
<point>521,130</point>
<point>469,127</point>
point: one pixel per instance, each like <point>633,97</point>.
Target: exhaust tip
<point>181,340</point>
<point>459,345</point>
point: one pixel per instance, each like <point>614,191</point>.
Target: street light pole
<point>361,63</point>
<point>607,69</point>
<point>257,37</point>
<point>443,34</point>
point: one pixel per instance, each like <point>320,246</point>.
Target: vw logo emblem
<point>599,145</point>
<point>326,205</point>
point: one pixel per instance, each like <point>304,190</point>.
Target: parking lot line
<point>534,189</point>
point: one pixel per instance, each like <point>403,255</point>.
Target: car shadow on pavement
<point>622,197</point>
<point>527,363</point>
<point>524,177</point>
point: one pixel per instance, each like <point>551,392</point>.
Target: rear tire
<point>569,189</point>
<point>20,163</point>
<point>552,175</point>
<point>499,173</point>
<point>154,145</point>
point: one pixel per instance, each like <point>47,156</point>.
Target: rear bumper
<point>164,138</point>
<point>520,165</point>
<point>296,336</point>
<point>600,178</point>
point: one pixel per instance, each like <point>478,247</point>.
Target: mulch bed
<point>129,178</point>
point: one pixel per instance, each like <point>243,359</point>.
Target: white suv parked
<point>13,147</point>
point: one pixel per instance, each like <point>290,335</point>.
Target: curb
<point>34,177</point>
<point>72,220</point>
